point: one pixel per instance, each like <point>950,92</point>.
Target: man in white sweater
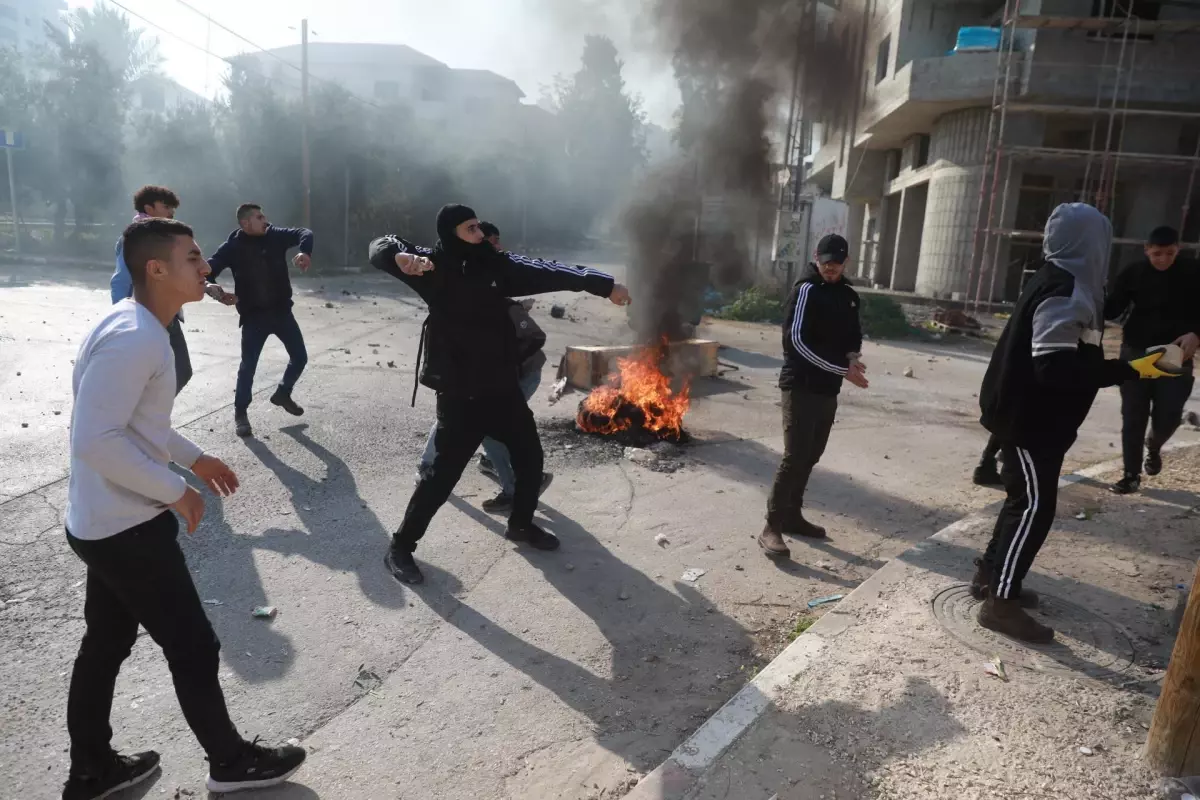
<point>120,523</point>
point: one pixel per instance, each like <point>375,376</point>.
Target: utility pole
<point>12,193</point>
<point>306,166</point>
<point>1172,746</point>
<point>346,220</point>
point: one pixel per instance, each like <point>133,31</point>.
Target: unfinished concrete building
<point>951,161</point>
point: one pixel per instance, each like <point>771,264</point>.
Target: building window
<point>387,90</point>
<point>881,58</point>
<point>921,157</point>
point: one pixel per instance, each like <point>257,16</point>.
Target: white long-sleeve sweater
<point>121,435</point>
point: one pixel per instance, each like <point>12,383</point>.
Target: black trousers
<point>138,577</point>
<point>1157,402</point>
<point>1031,480</point>
<point>256,329</point>
<point>183,360</point>
<point>462,424</point>
<point>807,421</point>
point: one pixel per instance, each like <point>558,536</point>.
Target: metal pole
<point>305,165</point>
<point>346,220</point>
<point>12,194</point>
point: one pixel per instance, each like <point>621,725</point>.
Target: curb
<point>675,777</point>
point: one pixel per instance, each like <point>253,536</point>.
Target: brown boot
<point>770,541</point>
<point>805,529</point>
<point>1007,617</point>
<point>979,587</point>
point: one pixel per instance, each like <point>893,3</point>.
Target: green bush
<point>882,318</point>
<point>754,305</point>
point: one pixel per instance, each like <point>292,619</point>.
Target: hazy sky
<point>526,40</point>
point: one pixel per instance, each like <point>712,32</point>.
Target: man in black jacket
<point>822,337</point>
<point>256,254</point>
<point>1041,382</point>
<point>472,363</point>
<point>1161,295</point>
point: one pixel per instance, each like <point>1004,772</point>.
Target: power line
<point>273,55</point>
<point>172,34</point>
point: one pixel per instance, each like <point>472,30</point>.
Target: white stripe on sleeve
<point>805,352</point>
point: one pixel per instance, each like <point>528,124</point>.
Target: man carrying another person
<point>256,254</point>
<point>1161,295</point>
<point>495,462</point>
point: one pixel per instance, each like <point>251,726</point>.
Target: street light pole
<point>306,167</point>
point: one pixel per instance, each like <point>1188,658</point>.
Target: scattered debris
<point>1086,751</point>
<point>558,390</point>
<point>1084,515</point>
<point>213,603</point>
<point>1193,419</point>
<point>391,365</point>
<point>570,567</point>
<point>739,567</point>
<point>624,595</point>
<point>265,612</point>
<point>24,424</point>
<point>661,540</point>
<point>329,305</point>
<point>693,574</point>
<point>367,680</point>
<point>995,667</point>
<point>820,601</point>
<point>374,344</point>
<point>642,456</point>
<point>908,372</point>
<point>294,742</point>
<point>557,311</point>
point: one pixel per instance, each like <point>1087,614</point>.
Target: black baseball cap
<point>832,249</point>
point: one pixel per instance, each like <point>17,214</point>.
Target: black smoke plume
<point>736,61</point>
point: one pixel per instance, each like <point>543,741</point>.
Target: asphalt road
<point>510,674</point>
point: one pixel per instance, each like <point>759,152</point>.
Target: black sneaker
<point>241,424</point>
<point>1153,460</point>
<point>532,535</point>
<point>403,567</point>
<point>986,474</point>
<point>1127,485</point>
<point>488,468</point>
<point>284,400</point>
<point>257,767</point>
<point>500,504</point>
<point>119,773</point>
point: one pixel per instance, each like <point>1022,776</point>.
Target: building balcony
<point>910,100</point>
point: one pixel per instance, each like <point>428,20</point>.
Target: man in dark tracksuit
<point>1039,387</point>
<point>1161,295</point>
<point>256,254</point>
<point>822,337</point>
<point>472,363</point>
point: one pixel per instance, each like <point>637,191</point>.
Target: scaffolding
<point>1102,160</point>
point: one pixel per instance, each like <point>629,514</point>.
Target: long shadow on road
<point>357,547</point>
<point>674,657</point>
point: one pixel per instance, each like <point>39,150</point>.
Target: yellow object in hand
<point>1147,365</point>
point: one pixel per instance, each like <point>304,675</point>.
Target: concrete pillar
<point>908,237</point>
<point>889,219</point>
<point>956,151</point>
<point>855,217</point>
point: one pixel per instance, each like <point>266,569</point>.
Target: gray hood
<point>1078,239</point>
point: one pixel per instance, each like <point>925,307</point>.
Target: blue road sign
<point>11,139</point>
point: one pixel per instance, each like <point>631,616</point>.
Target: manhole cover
<point>1084,642</point>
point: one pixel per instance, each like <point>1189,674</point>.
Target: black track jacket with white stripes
<point>1036,393</point>
<point>471,342</point>
<point>820,332</point>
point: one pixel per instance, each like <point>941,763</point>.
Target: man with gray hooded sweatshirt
<point>1043,377</point>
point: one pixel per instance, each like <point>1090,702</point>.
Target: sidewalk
<point>887,695</point>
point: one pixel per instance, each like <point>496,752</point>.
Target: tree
<point>604,128</point>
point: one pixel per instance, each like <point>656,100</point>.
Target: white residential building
<point>23,22</point>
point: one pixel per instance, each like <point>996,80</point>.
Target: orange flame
<point>639,389</point>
